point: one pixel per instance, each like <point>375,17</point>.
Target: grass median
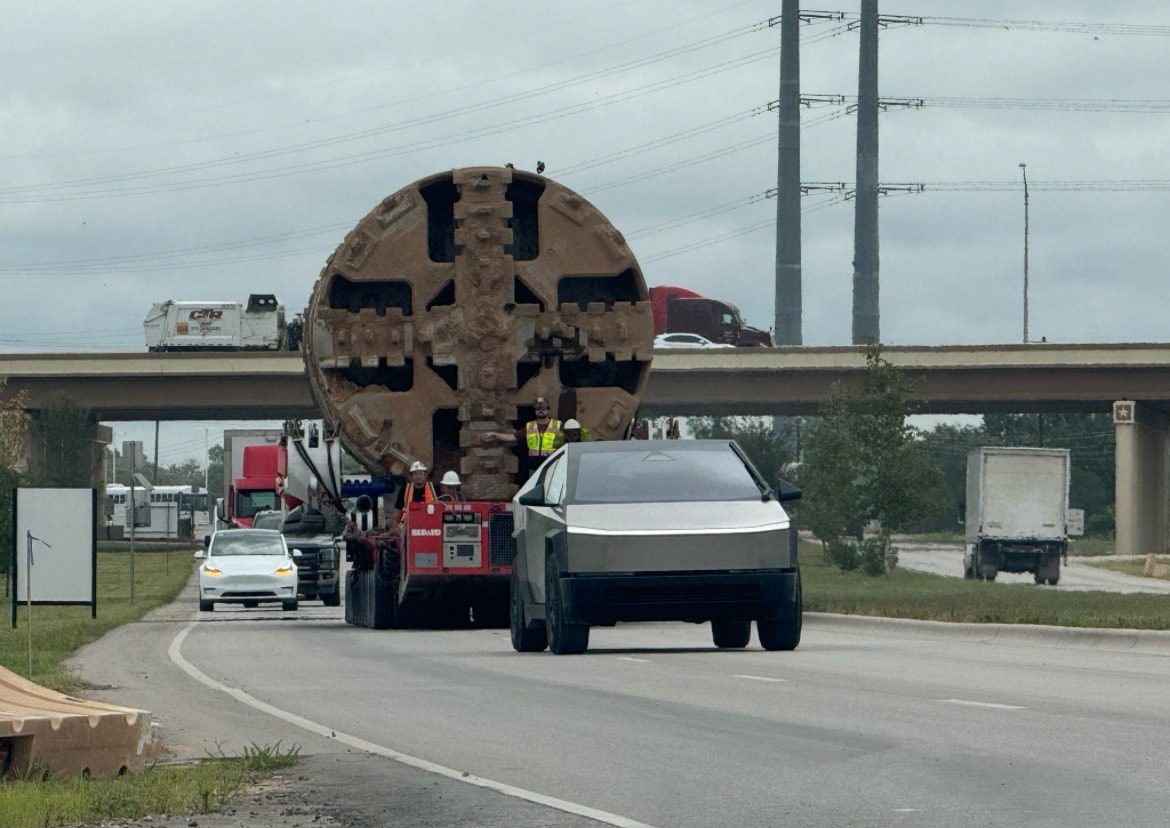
<point>160,573</point>
<point>905,593</point>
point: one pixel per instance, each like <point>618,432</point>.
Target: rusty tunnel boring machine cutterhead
<point>456,302</point>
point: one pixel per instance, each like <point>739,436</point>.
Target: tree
<point>13,434</point>
<point>64,445</point>
<point>769,451</point>
<point>215,472</point>
<point>948,447</point>
<point>13,427</point>
<point>864,465</point>
<point>1091,440</point>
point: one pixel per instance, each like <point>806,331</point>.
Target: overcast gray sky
<point>208,150</point>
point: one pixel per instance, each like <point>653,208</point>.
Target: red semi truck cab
<point>258,488</point>
<point>682,310</point>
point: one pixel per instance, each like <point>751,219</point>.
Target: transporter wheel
<point>526,636</point>
<point>251,604</point>
<point>206,606</point>
<point>383,600</point>
<point>332,599</point>
<point>784,633</point>
<point>353,598</point>
<point>731,634</point>
<point>563,638</point>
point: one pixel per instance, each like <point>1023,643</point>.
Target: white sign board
<point>56,547</point>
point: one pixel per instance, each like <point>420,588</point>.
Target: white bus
<point>164,512</point>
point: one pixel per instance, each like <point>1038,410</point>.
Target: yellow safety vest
<point>542,443</point>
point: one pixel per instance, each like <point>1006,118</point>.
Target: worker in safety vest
<point>417,490</point>
<point>540,436</point>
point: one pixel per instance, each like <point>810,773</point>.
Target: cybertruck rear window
<point>662,475</point>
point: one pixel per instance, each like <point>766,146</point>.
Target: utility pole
<point>788,256</point>
<point>1024,170</point>
<point>866,329</point>
<point>206,458</point>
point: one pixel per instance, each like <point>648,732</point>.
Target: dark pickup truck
<point>318,566</point>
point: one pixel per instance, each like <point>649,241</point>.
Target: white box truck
<point>1017,512</point>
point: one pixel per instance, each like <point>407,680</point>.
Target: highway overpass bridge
<point>1131,380</point>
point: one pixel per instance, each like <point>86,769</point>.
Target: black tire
<point>563,638</point>
<point>332,599</point>
<point>731,634</point>
<point>1054,581</point>
<point>353,598</point>
<point>291,606</point>
<point>206,606</point>
<point>251,604</point>
<point>784,633</point>
<point>383,600</point>
<point>526,637</point>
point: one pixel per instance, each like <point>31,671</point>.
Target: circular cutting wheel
<point>455,303</point>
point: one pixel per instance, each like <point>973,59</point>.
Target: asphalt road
<point>870,722</point>
<point>1077,574</point>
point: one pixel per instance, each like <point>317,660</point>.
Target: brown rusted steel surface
<point>456,302</point>
<point>44,729</point>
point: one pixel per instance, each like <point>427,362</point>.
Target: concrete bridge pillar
<point>1142,487</point>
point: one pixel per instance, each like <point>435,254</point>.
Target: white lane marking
<point>759,678</point>
<point>631,658</point>
<point>413,761</point>
<point>992,705</point>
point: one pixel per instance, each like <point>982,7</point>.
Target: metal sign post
<point>28,592</point>
<point>133,450</point>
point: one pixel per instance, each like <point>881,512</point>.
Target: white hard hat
<point>418,465</point>
<point>572,424</point>
<point>451,479</point>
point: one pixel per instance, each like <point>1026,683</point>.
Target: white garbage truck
<point>1017,515</point>
<point>257,324</point>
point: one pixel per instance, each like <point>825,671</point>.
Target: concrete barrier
<point>41,729</point>
<point>1153,569</point>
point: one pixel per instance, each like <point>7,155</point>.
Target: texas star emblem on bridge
<point>1132,380</point>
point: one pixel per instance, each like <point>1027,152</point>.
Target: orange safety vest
<point>408,498</point>
<point>542,443</point>
<point>428,495</point>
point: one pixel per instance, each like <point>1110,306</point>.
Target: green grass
<point>204,787</point>
<point>160,572</point>
<point>905,593</point>
<point>1088,547</point>
<point>1131,566</point>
